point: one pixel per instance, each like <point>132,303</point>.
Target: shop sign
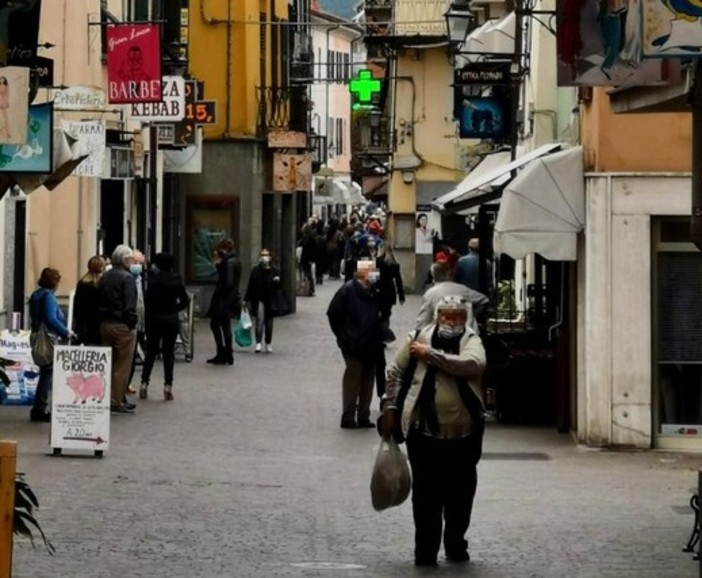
<point>92,136</point>
<point>170,109</point>
<point>483,74</point>
<point>80,98</point>
<point>134,63</point>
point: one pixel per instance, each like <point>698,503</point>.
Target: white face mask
<point>373,277</point>
<point>450,331</point>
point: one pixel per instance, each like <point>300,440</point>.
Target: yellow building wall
<point>224,52</point>
<point>423,122</point>
<point>612,142</point>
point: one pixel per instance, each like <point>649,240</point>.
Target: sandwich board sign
<point>80,404</point>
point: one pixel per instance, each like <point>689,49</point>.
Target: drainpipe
<point>228,94</point>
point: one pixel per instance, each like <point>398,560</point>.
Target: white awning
<point>356,193</point>
<point>543,208</point>
<point>482,185</point>
<point>493,38</point>
<point>331,191</point>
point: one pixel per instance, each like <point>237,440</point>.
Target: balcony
<point>372,134</point>
<point>377,16</point>
<point>416,22</point>
<point>282,108</point>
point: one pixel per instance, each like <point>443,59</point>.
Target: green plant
<point>24,521</point>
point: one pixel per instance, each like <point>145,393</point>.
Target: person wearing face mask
<point>433,400</point>
<point>137,270</point>
<point>264,281</point>
<point>354,318</point>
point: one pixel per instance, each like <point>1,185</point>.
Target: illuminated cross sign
<point>365,86</point>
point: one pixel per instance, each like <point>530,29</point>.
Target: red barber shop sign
<point>134,63</point>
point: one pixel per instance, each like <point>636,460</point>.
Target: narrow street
<point>247,474</point>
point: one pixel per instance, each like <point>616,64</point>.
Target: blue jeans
<point>41,399</point>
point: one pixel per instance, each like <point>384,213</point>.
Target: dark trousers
<point>161,336</point>
<point>221,327</point>
<point>357,389</point>
<point>444,479</point>
<point>307,272</point>
<point>41,398</point>
<point>380,372</point>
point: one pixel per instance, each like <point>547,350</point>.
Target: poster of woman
<point>424,241</point>
<point>14,105</point>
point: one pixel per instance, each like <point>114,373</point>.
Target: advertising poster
<point>14,102</point>
<point>134,63</point>
<point>34,156</point>
<point>671,29</point>
<point>23,373</point>
<point>423,238</point>
<point>599,43</point>
<point>483,117</point>
<point>80,405</point>
<point>91,134</point>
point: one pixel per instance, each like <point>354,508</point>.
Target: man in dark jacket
<point>226,301</point>
<point>117,307</point>
<point>354,317</point>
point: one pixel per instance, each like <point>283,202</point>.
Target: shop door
<point>677,270</point>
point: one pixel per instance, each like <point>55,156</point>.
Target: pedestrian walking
<point>308,254</point>
<point>165,297</point>
<point>226,301</point>
<point>354,317</point>
<point>44,308</point>
<point>86,321</point>
<point>137,269</point>
<point>434,401</point>
<point>264,282</point>
<point>468,269</point>
<point>390,286</point>
<point>117,307</point>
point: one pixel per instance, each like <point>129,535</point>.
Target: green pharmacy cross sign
<point>364,86</point>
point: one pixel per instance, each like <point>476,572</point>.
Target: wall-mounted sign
<point>292,172</point>
<point>92,135</point>
<point>483,117</point>
<point>34,156</point>
<point>364,87</point>
<point>170,109</point>
<point>22,31</point>
<point>202,112</point>
<point>184,133</point>
<point>14,100</point>
<point>134,63</point>
<point>483,74</point>
<point>80,98</point>
<point>287,139</point>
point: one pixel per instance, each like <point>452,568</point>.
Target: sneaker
<point>122,408</point>
<point>258,348</point>
<point>269,349</point>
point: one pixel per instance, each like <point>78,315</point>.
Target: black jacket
<point>261,287</point>
<point>354,318</point>
<point>86,321</point>
<point>117,297</point>
<point>390,284</point>
<point>165,296</point>
<point>226,299</point>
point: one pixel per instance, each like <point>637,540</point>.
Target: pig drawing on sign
<point>85,387</point>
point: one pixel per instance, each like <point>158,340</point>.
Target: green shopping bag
<point>242,334</point>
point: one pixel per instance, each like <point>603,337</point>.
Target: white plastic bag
<point>391,480</point>
<point>245,320</point>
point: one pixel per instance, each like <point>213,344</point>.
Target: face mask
<point>373,277</point>
<point>136,269</point>
<point>450,331</point>
<point>266,260</point>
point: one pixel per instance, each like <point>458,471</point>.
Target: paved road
<point>247,474</point>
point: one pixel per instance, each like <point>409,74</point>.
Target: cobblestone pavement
<point>247,474</point>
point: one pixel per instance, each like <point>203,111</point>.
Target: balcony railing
<point>282,109</point>
<point>420,17</point>
<point>372,134</point>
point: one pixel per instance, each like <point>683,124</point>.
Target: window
<point>330,136</point>
<point>330,64</point>
<point>339,134</point>
<point>347,66</point>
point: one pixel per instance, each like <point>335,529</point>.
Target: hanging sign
<point>92,134</point>
<point>22,32</point>
<point>170,109</point>
<point>80,405</point>
<point>80,98</point>
<point>483,117</point>
<point>14,105</point>
<point>134,63</point>
<point>483,74</point>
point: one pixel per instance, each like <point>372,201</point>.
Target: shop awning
<point>484,183</point>
<point>356,193</point>
<point>543,208</point>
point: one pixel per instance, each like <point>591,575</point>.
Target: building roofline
<point>336,20</point>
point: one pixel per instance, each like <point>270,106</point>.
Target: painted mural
<point>599,43</point>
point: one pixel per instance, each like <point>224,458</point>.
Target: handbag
<point>42,342</point>
<point>280,305</point>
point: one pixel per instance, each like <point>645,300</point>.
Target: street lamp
<point>459,20</point>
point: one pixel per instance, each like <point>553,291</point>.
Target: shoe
<point>144,391</point>
<point>258,348</point>
<point>228,358</point>
<point>131,390</point>
<point>349,425</point>
<point>269,349</point>
<point>366,423</point>
<point>168,393</point>
<point>129,406</point>
<point>425,562</point>
<point>121,409</point>
<point>460,556</point>
<point>43,417</point>
<point>216,360</point>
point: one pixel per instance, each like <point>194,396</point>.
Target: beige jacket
<point>454,419</point>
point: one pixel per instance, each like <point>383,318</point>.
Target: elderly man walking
<point>117,306</point>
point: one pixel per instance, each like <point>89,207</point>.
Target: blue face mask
<point>136,269</point>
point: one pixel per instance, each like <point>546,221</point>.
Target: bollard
<point>8,468</point>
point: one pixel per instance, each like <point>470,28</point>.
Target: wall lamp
<point>459,22</point>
